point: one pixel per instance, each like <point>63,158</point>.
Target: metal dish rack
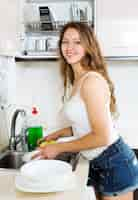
<point>36,27</point>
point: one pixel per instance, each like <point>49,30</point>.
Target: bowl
<point>46,170</point>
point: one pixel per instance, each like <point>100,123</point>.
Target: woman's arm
<point>60,133</point>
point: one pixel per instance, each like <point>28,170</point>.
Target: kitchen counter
<point>9,192</point>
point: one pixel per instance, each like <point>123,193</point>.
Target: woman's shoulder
<point>95,83</point>
<point>95,74</point>
<point>94,78</point>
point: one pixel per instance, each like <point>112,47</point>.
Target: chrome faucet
<point>20,138</point>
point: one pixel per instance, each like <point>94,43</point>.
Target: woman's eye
<point>64,42</point>
<point>77,42</point>
<point>71,43</point>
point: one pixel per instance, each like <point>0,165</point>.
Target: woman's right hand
<point>53,136</point>
<point>57,134</point>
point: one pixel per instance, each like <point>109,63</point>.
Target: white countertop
<point>9,192</point>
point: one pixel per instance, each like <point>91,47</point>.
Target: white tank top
<point>75,111</point>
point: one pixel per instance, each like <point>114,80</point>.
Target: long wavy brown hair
<point>93,59</point>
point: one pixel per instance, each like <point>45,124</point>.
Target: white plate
<point>41,170</point>
<point>23,184</point>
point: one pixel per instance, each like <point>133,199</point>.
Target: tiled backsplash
<point>7,80</point>
<point>39,83</point>
<point>124,74</point>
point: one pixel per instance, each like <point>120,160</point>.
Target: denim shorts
<point>114,171</point>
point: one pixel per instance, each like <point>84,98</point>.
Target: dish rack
<point>36,27</point>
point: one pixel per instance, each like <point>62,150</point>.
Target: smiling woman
<point>113,167</point>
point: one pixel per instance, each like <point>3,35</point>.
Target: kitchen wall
<point>24,84</point>
<point>124,75</point>
<point>39,83</point>
<point>7,80</point>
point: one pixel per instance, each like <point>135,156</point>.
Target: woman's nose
<point>70,45</point>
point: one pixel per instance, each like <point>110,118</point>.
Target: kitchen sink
<point>11,159</point>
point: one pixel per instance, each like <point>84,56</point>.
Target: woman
<point>113,168</point>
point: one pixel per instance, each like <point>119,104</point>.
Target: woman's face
<point>71,47</point>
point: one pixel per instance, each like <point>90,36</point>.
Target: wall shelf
<point>21,58</point>
<point>52,1</point>
<point>35,27</point>
<point>35,58</point>
<point>121,58</point>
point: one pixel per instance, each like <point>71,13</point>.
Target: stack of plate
<point>45,176</point>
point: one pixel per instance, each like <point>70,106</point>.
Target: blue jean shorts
<point>114,171</point>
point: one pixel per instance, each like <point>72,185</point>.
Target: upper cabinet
<point>9,16</point>
<point>31,27</point>
<point>117,27</point>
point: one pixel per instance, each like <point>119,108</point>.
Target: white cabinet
<point>115,23</point>
<point>117,27</point>
<point>9,16</point>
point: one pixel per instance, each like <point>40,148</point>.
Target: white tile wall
<point>7,80</point>
<point>40,83</point>
<point>125,77</point>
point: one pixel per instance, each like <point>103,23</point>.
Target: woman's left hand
<point>48,152</point>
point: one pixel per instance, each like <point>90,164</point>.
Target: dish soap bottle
<point>35,130</point>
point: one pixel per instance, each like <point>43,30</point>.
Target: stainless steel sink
<point>11,159</point>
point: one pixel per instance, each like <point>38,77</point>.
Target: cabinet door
<point>117,27</point>
<point>8,26</point>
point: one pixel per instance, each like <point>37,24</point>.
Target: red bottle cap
<point>34,111</point>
